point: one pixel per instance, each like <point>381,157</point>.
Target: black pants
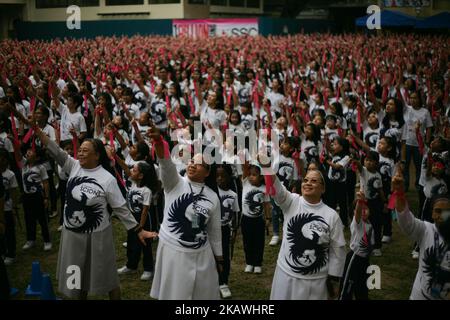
<point>337,195</point>
<point>224,275</point>
<point>354,280</point>
<point>33,207</point>
<point>135,248</point>
<point>350,184</point>
<point>62,197</point>
<point>10,235</point>
<point>387,217</point>
<point>412,153</point>
<point>4,282</point>
<point>376,217</point>
<point>253,235</point>
<point>52,190</point>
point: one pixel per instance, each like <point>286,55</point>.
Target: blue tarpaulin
<point>390,18</point>
<point>438,21</point>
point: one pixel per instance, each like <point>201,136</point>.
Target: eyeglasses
<point>204,165</point>
<point>312,181</point>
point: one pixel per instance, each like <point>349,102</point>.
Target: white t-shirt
<point>276,99</point>
<point>434,186</point>
<point>361,245</point>
<point>88,192</point>
<point>371,136</point>
<point>132,108</point>
<point>243,92</point>
<point>309,151</point>
<point>5,142</point>
<point>137,198</point>
<point>158,112</point>
<point>9,182</point>
<point>386,169</point>
<point>286,170</point>
<point>370,183</point>
<point>33,177</point>
<point>313,245</point>
<point>339,175</point>
<point>412,116</point>
<point>433,276</point>
<point>229,206</point>
<point>215,117</point>
<point>248,121</point>
<point>191,212</point>
<point>253,199</point>
<point>69,120</point>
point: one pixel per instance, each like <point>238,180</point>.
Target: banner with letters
<point>204,28</point>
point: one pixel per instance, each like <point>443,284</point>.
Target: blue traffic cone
<point>47,288</point>
<point>34,288</point>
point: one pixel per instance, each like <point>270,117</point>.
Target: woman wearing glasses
<point>312,254</point>
<point>190,245</point>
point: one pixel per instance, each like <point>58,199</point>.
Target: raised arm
<point>411,226</point>
<point>169,175</point>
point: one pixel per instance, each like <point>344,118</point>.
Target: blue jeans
<point>412,152</point>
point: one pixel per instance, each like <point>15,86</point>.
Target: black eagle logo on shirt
<point>437,277</point>
<point>32,181</point>
<point>336,174</point>
<point>134,200</point>
<point>179,224</point>
<point>285,171</point>
<point>438,189</point>
<point>226,207</point>
<point>385,170</point>
<point>158,112</point>
<point>79,216</point>
<point>372,139</point>
<point>307,255</point>
<point>243,94</point>
<point>246,123</point>
<point>373,185</point>
<point>254,201</point>
<point>310,153</point>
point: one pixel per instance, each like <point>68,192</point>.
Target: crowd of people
<point>108,127</point>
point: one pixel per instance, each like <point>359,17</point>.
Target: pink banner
<point>204,28</point>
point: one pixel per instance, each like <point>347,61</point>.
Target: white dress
<point>189,237</point>
<point>313,248</point>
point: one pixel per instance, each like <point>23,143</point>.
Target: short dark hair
<point>373,155</point>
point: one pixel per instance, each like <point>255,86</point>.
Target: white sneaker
<point>125,270</point>
<point>248,268</point>
<point>376,253</point>
<point>47,246</point>
<point>225,291</point>
<point>146,275</point>
<point>28,245</point>
<point>258,270</point>
<point>125,244</point>
<point>415,254</point>
<point>60,228</point>
<point>386,239</point>
<point>9,261</point>
<point>274,241</point>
